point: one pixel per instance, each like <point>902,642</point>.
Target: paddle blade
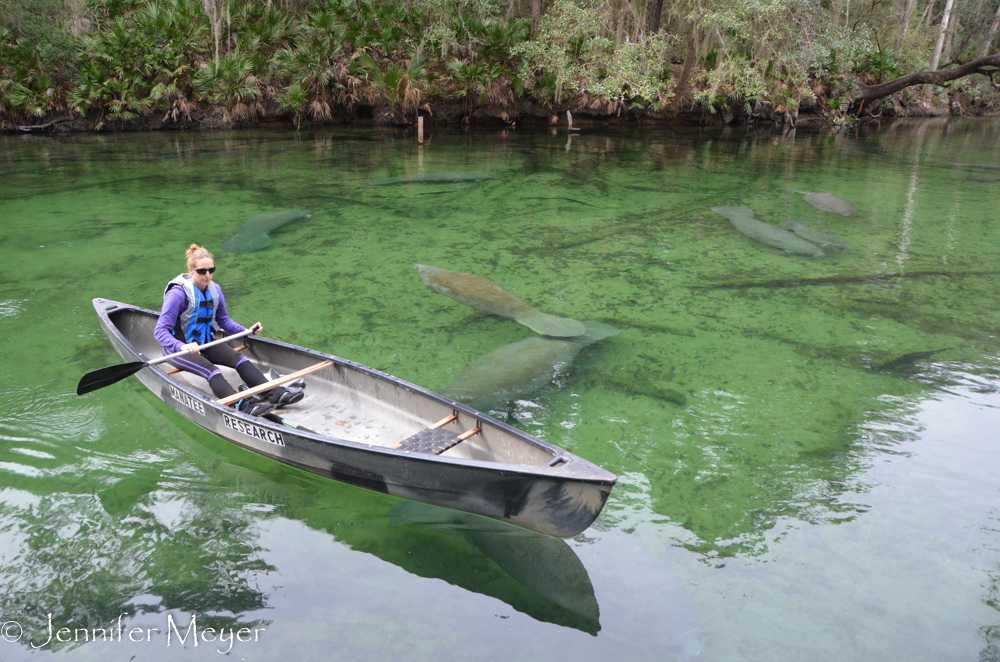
<point>106,376</point>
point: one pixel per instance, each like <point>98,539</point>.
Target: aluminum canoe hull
<point>502,473</point>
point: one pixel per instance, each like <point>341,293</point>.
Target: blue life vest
<point>194,324</point>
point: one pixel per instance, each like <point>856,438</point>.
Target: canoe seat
<point>435,439</point>
<point>174,371</point>
<point>430,440</point>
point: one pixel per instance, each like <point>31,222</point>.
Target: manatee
<point>743,220</point>
<point>826,202</point>
<point>906,362</point>
<point>253,236</point>
<point>984,166</point>
<point>521,368</point>
<point>643,383</point>
<point>485,295</point>
<point>429,178</point>
<point>246,243</point>
<point>802,229</point>
<point>975,177</point>
<point>839,280</point>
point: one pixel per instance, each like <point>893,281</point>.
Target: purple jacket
<point>174,301</point>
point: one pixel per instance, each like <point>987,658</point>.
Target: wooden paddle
<point>106,376</point>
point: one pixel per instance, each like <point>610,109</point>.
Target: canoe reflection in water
<point>603,582</point>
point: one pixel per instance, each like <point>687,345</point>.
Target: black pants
<point>206,365</point>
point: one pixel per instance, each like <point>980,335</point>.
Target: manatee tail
<point>598,331</point>
<point>550,325</point>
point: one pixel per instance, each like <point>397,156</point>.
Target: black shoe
<point>253,407</point>
<point>273,374</point>
<point>282,396</point>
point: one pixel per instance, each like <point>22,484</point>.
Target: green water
<point>806,447</point>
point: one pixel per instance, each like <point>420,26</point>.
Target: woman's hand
<point>191,347</point>
<point>257,328</point>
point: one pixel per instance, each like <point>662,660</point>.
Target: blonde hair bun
<point>195,253</point>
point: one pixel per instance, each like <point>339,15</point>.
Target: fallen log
<point>42,127</point>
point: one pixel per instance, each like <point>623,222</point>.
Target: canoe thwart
<point>274,382</point>
<point>174,371</point>
<point>468,433</point>
<point>434,440</point>
<point>446,420</point>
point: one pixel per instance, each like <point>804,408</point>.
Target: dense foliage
<point>120,60</point>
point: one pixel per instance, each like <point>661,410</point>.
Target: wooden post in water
<point>569,122</point>
<point>420,143</point>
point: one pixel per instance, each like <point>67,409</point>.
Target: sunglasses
<point>202,272</point>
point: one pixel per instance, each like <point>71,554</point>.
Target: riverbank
<point>205,117</point>
<point>179,64</point>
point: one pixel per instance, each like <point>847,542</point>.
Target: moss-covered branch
<point>987,66</point>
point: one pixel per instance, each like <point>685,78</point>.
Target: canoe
<point>370,429</point>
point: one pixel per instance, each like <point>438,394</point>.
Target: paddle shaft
<point>201,347</point>
<point>97,379</point>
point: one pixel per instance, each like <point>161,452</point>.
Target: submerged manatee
<point>802,229</point>
<point>253,236</point>
<point>906,362</point>
<point>518,369</point>
<point>743,220</point>
<point>485,295</point>
<point>429,178</point>
<point>827,202</point>
<point>246,243</point>
<point>984,166</point>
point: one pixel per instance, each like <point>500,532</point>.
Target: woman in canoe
<point>191,303</point>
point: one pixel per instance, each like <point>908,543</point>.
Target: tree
<point>939,44</point>
<point>993,33</point>
<point>654,9</point>
<point>396,84</point>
